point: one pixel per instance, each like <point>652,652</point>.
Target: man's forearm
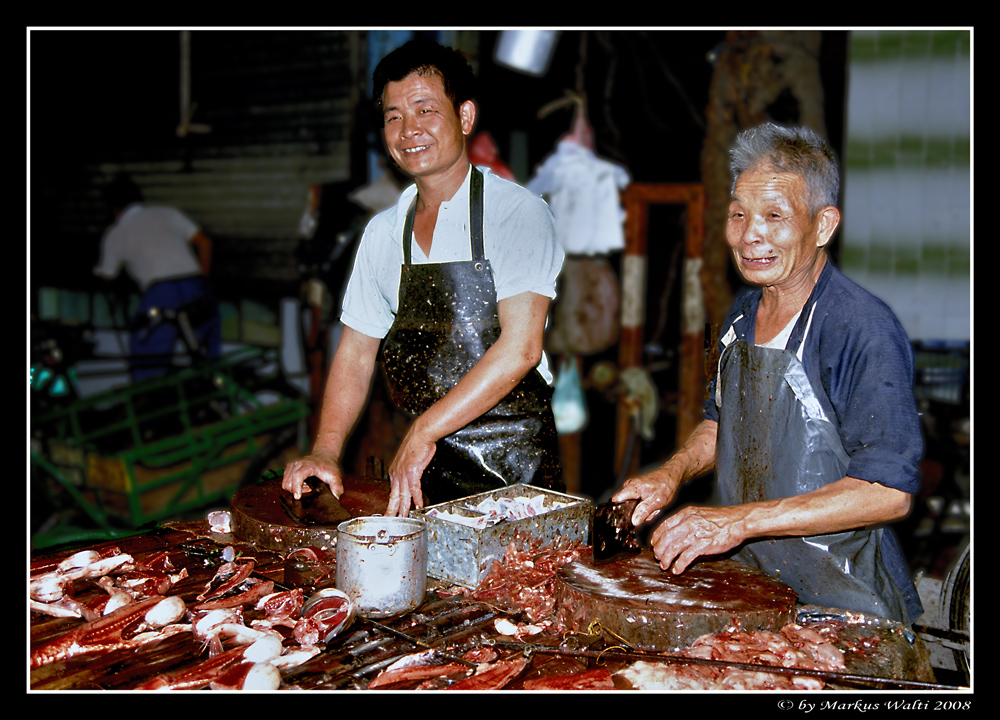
<point>515,353</point>
<point>849,503</point>
<point>842,505</point>
<point>346,392</point>
<point>487,383</point>
<point>697,455</point>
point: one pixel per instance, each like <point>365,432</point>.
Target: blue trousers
<point>151,347</point>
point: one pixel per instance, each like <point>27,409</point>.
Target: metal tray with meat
<point>466,537</point>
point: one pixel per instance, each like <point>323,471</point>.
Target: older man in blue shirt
<point>810,422</point>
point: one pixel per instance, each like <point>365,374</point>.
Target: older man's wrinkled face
<point>774,240</point>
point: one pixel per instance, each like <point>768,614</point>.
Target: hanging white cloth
<point>583,193</point>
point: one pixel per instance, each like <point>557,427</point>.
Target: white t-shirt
<point>779,341</point>
<point>519,240</point>
<point>152,242</point>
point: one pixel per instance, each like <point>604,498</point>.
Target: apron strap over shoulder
<point>476,215</point>
<point>408,231</point>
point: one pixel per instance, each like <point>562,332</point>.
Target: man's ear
<point>467,115</point>
<point>827,221</point>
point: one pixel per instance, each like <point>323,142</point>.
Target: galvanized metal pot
<point>382,564</point>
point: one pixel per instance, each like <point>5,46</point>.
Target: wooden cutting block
<point>268,517</point>
<point>650,609</point>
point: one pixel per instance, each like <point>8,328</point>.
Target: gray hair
<point>795,150</point>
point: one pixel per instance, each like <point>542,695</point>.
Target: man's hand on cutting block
<point>693,532</point>
<point>298,471</point>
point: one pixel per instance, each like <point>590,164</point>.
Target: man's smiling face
<point>424,134</point>
<point>773,237</point>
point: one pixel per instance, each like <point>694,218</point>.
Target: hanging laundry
<point>583,193</point>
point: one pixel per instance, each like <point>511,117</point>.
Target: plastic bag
<point>568,404</point>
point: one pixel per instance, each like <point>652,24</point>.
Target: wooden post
<point>636,199</point>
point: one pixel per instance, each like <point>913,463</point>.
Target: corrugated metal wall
<point>284,110</point>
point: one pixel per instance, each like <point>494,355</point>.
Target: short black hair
<point>426,57</point>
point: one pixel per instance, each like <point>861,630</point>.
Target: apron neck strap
<point>476,214</point>
<point>475,217</point>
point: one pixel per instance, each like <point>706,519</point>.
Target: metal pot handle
<point>383,543</point>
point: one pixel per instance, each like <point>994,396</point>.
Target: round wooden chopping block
<point>258,517</point>
<point>655,610</point>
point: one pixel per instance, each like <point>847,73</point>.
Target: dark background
<point>111,97</point>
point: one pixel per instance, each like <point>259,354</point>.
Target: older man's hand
<point>694,532</point>
<point>654,491</point>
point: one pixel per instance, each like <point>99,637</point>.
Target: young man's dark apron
<point>446,320</point>
<point>775,441</point>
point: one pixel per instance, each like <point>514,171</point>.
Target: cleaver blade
<point>614,534</point>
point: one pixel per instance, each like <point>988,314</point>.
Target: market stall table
<point>453,625</point>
